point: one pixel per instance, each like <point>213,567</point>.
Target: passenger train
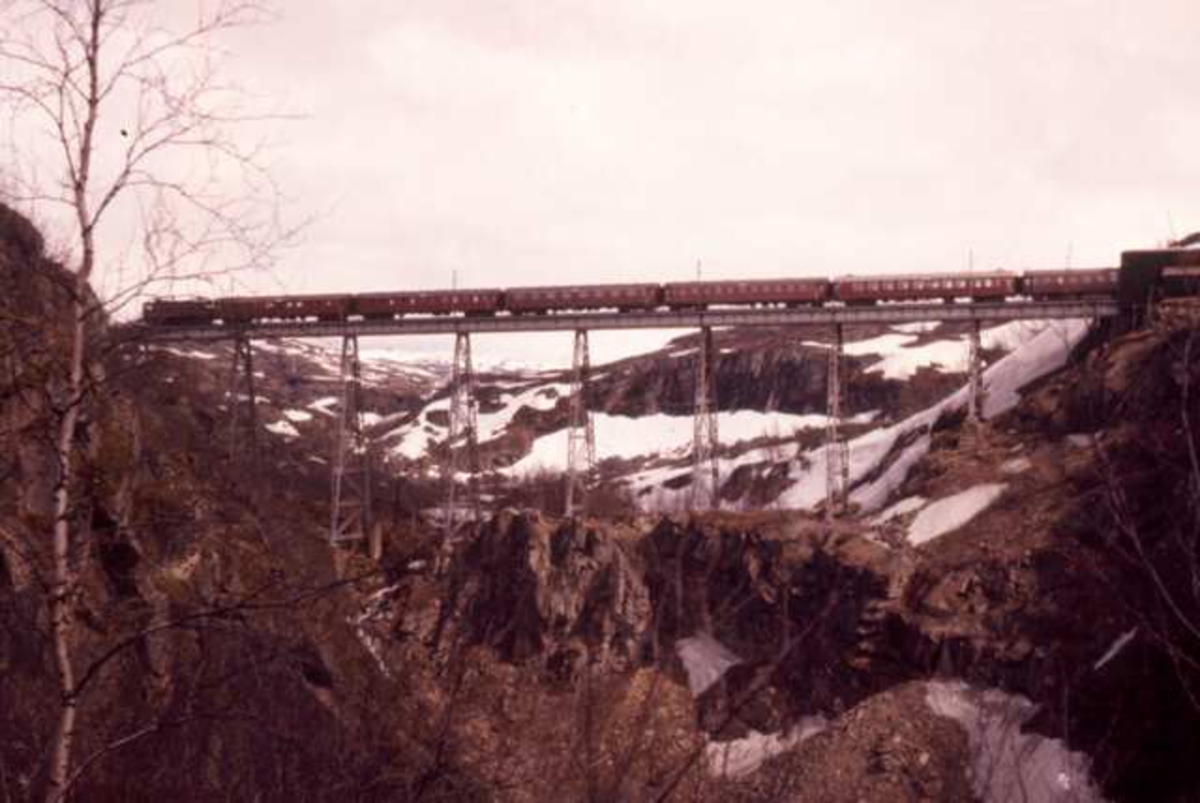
<point>1038,285</point>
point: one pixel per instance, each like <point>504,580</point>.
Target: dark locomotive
<point>1181,276</point>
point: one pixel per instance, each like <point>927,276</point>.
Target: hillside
<point>1010,609</point>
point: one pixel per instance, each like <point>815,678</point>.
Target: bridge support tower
<point>350,517</point>
<point>706,486</point>
<point>463,445</point>
<point>243,410</point>
<point>581,436</point>
<point>975,393</point>
<point>837,451</point>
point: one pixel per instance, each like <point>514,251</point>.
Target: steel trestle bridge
<point>351,520</point>
<point>896,313</point>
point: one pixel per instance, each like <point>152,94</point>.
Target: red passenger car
<point>622,297</point>
<point>382,306</point>
<point>856,290</point>
<point>1047,285</point>
<point>789,292</point>
<point>303,308</point>
<point>239,309</point>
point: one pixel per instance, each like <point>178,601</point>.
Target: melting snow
<point>874,495</point>
<point>191,354</point>
<point>705,659</point>
<point>903,363</point>
<point>1016,465</point>
<point>741,757</point>
<point>1006,763</point>
<point>664,435</point>
<point>322,405</point>
<point>1047,350</point>
<point>904,506</point>
<point>902,359</point>
<point>415,444</point>
<point>283,428</point>
<point>1116,647</point>
<point>948,514</point>
<point>542,397</point>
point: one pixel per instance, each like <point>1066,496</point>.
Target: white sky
<point>523,142</point>
<point>553,141</point>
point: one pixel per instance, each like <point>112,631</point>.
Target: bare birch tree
<point>123,128</point>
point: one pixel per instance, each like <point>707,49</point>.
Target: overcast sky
<point>523,142</point>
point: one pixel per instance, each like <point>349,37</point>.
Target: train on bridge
<point>995,286</point>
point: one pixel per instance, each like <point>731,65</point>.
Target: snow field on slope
<point>1039,350</point>
<point>660,435</point>
<point>414,439</point>
<point>901,359</point>
<point>905,506</point>
<point>952,512</point>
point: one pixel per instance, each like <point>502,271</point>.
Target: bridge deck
<point>881,314</point>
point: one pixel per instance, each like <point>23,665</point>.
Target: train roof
<point>1058,271</point>
<point>436,292</point>
<point>179,300</point>
<point>618,286</point>
<point>892,277</point>
<point>776,280</point>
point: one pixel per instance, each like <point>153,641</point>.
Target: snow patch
<point>905,506</point>
<point>190,354</point>
<point>874,495</point>
<point>324,404</point>
<point>297,416</point>
<point>666,436</point>
<point>705,660</point>
<point>1045,351</point>
<point>284,428</point>
<point>948,514</point>
<point>1016,465</point>
<point>1006,763</point>
<point>740,757</point>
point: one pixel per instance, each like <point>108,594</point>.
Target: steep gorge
<point>238,656</point>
